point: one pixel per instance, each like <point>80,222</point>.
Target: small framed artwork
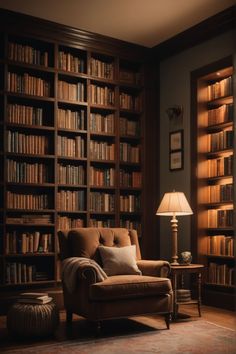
<point>176,140</point>
<point>176,160</point>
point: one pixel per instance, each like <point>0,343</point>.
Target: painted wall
<point>175,75</point>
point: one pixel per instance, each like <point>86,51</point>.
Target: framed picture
<point>176,160</point>
<point>176,140</point>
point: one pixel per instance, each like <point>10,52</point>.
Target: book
<point>36,300</point>
<point>40,296</point>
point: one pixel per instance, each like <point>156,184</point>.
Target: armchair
<point>98,296</point>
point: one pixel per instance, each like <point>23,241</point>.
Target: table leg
<point>199,280</point>
<point>175,307</point>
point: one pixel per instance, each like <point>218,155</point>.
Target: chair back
<point>84,241</point>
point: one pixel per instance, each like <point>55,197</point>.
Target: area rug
<point>193,337</point>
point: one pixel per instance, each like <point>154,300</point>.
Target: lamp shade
<point>174,203</point>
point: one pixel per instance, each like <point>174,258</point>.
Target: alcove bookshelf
<point>71,147</point>
<point>213,149</point>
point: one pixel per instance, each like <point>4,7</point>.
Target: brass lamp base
<point>174,227</point>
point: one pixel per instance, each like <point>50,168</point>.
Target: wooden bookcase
<point>213,150</point>
<point>71,147</point>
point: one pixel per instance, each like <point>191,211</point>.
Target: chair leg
<point>167,320</point>
<point>69,316</point>
<point>98,328</point>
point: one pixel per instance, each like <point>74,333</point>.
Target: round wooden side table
<point>179,271</point>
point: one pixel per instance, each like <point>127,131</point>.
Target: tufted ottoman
<point>29,320</point>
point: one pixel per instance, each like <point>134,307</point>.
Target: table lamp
<point>174,204</point>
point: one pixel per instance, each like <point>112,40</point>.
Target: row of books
<point>71,92</point>
<point>27,84</point>
<point>66,223</point>
<point>70,62</point>
<point>28,242</point>
<point>27,54</point>
<point>101,68</point>
<point>222,166</point>
<point>102,177</point>
<point>129,127</point>
<point>129,76</point>
<point>130,203</point>
<point>220,245</point>
<point>102,95</point>
<point>102,150</point>
<point>36,219</point>
<point>220,88</point>
<point>21,114</point>
<point>221,193</point>
<point>130,102</point>
<point>132,224</point>
<point>70,200</point>
<point>130,179</point>
<point>102,223</point>
<point>71,147</point>
<point>102,202</point>
<point>129,153</point>
<point>71,174</point>
<point>222,114</point>
<point>21,143</point>
<point>220,218</point>
<point>24,172</point>
<point>27,201</point>
<point>68,119</point>
<point>17,273</point>
<point>221,274</point>
<point>220,141</point>
<point>100,123</point>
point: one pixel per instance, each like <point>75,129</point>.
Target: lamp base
<point>174,263</point>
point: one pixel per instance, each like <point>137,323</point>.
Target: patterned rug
<point>191,337</point>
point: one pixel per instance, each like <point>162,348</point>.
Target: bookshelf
<point>214,151</point>
<point>71,147</point>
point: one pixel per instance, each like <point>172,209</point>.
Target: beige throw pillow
<point>119,260</point>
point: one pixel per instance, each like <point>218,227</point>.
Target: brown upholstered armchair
<point>96,296</point>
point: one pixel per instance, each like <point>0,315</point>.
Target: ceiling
<point>144,22</point>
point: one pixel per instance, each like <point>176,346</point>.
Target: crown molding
<point>205,30</point>
<point>51,31</point>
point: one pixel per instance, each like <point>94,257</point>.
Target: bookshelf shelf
<point>27,255</point>
<point>218,127</point>
<point>214,234</point>
<point>220,256</point>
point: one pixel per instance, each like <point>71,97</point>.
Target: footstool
<point>28,320</point>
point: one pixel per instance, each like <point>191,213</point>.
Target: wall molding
<point>205,30</point>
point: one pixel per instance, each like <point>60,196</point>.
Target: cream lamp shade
<point>174,203</point>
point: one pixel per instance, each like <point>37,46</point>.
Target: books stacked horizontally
<point>34,298</point>
<point>183,295</point>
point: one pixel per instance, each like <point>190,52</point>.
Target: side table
<point>179,271</point>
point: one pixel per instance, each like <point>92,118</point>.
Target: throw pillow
<point>119,260</point>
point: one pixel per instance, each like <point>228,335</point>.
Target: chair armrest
<point>88,273</point>
<point>77,269</point>
<point>154,268</point>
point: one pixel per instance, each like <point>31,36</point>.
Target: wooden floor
<point>81,328</point>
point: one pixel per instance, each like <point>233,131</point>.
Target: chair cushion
<point>129,286</point>
<point>119,260</point>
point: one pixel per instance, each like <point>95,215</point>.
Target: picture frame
<point>176,161</point>
<point>176,140</point>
